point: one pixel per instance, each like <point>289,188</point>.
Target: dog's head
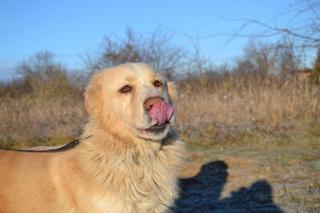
<point>131,100</point>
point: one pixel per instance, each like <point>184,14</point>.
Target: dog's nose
<point>150,102</point>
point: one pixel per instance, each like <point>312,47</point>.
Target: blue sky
<point>70,28</point>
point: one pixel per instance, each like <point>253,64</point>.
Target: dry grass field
<point>205,103</point>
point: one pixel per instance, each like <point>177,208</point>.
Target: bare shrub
<point>43,105</point>
<point>154,48</point>
<point>44,77</point>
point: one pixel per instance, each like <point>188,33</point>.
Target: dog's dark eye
<point>126,89</point>
<point>157,83</point>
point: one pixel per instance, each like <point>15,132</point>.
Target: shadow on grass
<point>202,192</point>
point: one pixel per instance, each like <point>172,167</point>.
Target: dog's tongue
<point>161,112</point>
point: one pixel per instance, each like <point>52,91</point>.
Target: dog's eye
<point>157,83</point>
<point>126,89</point>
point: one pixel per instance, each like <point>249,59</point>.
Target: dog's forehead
<point>132,72</point>
<point>143,72</point>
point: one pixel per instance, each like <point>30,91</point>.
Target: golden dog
<point>127,159</point>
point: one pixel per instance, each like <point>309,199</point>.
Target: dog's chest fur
<point>135,179</point>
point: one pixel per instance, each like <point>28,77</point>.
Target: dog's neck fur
<point>121,165</point>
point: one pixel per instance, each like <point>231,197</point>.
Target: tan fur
<point>117,167</point>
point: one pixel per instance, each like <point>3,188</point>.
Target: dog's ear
<point>172,90</point>
<point>91,94</point>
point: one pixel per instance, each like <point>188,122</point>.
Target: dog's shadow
<point>202,192</point>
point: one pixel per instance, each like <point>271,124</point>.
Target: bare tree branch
<point>306,34</point>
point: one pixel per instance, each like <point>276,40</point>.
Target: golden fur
<point>119,166</point>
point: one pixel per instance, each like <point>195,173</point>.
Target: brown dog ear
<point>91,93</point>
<point>172,90</point>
